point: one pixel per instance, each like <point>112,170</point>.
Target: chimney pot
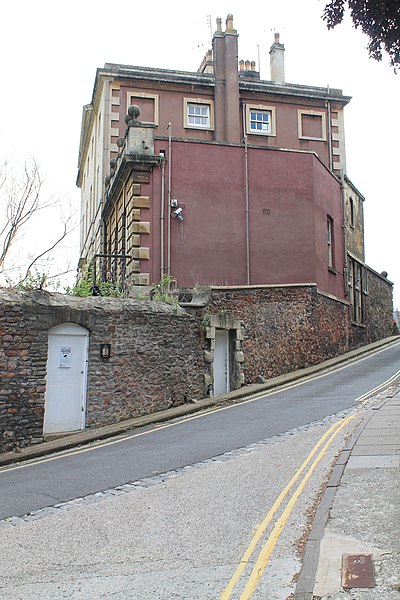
<point>253,65</point>
<point>241,65</point>
<point>229,23</point>
<point>247,63</point>
<point>219,24</point>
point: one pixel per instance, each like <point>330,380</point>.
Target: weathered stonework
<point>157,359</point>
<point>283,329</point>
<point>162,356</point>
<point>378,307</point>
<point>223,320</point>
<point>290,327</point>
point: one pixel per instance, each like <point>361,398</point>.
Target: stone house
<point>215,177</point>
<point>236,187</point>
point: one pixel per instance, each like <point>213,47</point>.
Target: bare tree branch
<point>20,202</point>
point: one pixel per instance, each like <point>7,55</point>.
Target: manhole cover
<point>357,571</point>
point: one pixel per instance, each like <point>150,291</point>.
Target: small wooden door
<point>65,398</point>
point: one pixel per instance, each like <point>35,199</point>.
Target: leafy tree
<point>379,19</point>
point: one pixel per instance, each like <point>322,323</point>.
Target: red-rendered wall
<point>290,195</point>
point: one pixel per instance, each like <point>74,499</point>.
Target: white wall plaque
<point>64,361</point>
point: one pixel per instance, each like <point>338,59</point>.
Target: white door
<point>65,398</point>
<point>221,362</point>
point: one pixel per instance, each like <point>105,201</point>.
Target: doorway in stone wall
<point>221,362</point>
<point>65,398</point>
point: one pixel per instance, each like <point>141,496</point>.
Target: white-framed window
<point>260,119</point>
<point>311,125</point>
<point>198,113</point>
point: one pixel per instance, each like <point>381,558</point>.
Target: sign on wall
<point>64,361</point>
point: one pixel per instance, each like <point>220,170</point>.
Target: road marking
<point>267,549</point>
<point>327,372</point>
<point>264,524</point>
<point>252,398</point>
<point>364,398</point>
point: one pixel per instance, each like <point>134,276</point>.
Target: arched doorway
<point>65,398</point>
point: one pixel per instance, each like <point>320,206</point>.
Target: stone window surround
<point>227,322</point>
<point>208,102</point>
<point>138,96</point>
<point>312,113</point>
<point>261,108</point>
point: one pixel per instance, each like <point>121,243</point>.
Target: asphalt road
<point>143,453</point>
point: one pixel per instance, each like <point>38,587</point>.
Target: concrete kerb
<point>306,580</point>
<point>90,435</point>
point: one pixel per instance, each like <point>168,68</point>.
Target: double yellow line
<point>266,551</point>
<point>377,389</point>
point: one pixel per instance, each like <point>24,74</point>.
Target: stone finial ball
<point>134,111</point>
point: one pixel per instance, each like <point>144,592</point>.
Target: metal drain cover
<point>357,571</point>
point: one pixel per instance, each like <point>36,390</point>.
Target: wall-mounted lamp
<point>105,350</point>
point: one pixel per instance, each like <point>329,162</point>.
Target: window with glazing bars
<point>198,115</point>
<point>260,121</point>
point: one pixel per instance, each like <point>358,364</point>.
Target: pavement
<point>353,549</point>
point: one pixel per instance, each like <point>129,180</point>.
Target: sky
<point>49,52</point>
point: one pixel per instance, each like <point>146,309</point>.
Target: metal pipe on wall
<point>246,169</point>
<point>169,127</point>
<point>162,219</point>
<point>344,228</point>
<point>328,106</point>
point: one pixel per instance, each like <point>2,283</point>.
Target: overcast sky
<point>49,53</point>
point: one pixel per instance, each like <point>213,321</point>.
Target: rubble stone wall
<point>284,328</point>
<point>378,306</point>
<point>163,356</point>
<point>156,359</point>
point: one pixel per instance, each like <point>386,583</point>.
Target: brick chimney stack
<point>226,91</point>
<point>277,61</point>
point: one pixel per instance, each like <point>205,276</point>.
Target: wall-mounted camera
<point>173,202</point>
<point>178,213</point>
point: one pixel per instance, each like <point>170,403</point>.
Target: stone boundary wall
<point>282,328</point>
<point>278,329</point>
<point>378,302</point>
<point>163,356</point>
<point>157,359</point>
